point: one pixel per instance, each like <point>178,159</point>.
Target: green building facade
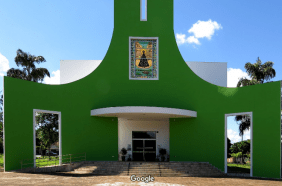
<point>143,68</point>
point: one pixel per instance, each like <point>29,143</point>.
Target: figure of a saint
<point>143,61</point>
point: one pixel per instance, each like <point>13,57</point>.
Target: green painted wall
<point>195,139</point>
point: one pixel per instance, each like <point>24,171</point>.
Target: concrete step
<point>163,169</point>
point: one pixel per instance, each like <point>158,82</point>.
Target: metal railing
<point>54,160</point>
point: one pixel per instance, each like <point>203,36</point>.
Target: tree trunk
<point>242,150</point>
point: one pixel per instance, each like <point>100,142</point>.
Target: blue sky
<point>229,31</point>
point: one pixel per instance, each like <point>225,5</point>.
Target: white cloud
<point>247,135</point>
<point>201,29</point>
<point>180,38</point>
<point>233,136</point>
<point>4,65</point>
<point>192,39</point>
<point>55,79</point>
<point>233,76</point>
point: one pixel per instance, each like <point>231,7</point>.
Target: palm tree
<point>259,74</point>
<point>244,123</point>
<point>30,72</point>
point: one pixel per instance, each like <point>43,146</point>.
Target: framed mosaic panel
<point>143,58</point>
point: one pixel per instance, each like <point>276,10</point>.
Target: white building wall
<point>125,128</point>
<point>73,70</point>
<point>212,72</point>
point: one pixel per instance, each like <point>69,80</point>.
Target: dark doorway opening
<point>144,150</point>
<point>144,146</point>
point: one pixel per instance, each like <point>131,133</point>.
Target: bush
<point>236,155</point>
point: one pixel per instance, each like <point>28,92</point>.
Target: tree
<point>244,122</point>
<point>228,148</point>
<point>29,72</point>
<point>258,72</point>
<point>47,130</point>
<point>242,147</point>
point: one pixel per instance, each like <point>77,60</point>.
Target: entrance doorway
<point>49,126</point>
<point>238,152</point>
<point>144,145</point>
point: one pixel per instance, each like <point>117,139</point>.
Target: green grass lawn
<point>40,162</point>
<point>238,168</point>
<point>46,162</point>
<point>1,160</point>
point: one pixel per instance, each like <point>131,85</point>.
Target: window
<point>143,135</point>
<point>143,10</point>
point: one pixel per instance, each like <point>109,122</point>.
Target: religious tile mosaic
<point>143,59</point>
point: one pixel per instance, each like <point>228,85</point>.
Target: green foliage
<point>258,72</point>
<point>46,130</point>
<point>30,72</point>
<point>244,122</point>
<point>1,160</point>
<point>242,146</point>
<point>237,155</point>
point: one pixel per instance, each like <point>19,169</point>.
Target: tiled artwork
<point>143,58</point>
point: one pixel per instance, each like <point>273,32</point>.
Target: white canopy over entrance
<point>144,113</point>
<point>152,125</point>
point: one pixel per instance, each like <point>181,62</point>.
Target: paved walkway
<point>63,179</point>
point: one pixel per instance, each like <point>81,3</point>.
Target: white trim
<point>141,10</point>
<point>251,136</point>
<point>4,130</point>
<point>115,111</point>
<point>280,130</point>
<point>60,133</point>
<point>129,49</point>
